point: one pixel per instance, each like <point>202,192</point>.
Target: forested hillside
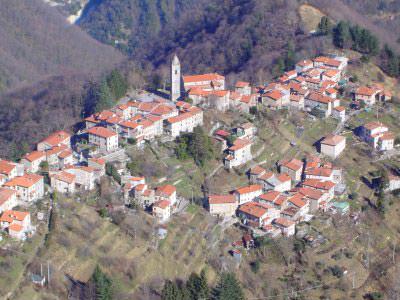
<point>45,64</point>
<point>37,42</point>
<point>244,37</point>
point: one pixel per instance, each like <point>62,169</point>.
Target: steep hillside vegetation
<point>44,66</point>
<point>128,24</point>
<point>233,36</point>
<point>37,42</point>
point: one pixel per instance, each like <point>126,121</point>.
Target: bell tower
<point>175,79</point>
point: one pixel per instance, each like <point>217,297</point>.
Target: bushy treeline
<point>104,94</point>
<point>196,145</point>
<point>197,288</point>
<point>348,36</point>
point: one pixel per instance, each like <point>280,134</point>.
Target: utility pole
<point>394,254</point>
<point>368,245</point>
<point>48,273</point>
<point>354,280</point>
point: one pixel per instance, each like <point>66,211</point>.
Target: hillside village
<point>273,202</point>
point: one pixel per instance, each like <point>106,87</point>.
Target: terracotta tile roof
<point>197,91</point>
<point>182,104</point>
<point>333,140</point>
<point>6,167</point>
<point>316,97</point>
<point>101,132</point>
<point>296,98</point>
<point>5,195</point>
<point>221,199</point>
<point>242,84</point>
<point>163,109</point>
<point>374,125</point>
<point>239,144</point>
<point>65,153</point>
<point>297,200</point>
<point>283,177</point>
<point>274,95</point>
<point>163,204</point>
<point>290,211</point>
<point>56,138</point>
<point>331,73</point>
<point>323,172</point>
<point>130,124</point>
<point>222,133</point>
<point>311,193</point>
<point>13,215</point>
<point>220,93</point>
<point>56,150</point>
<point>270,196</point>
<point>304,63</point>
<point>257,170</point>
<point>249,189</point>
<point>15,227</point>
<point>318,184</point>
<point>82,168</point>
<point>167,190</point>
<point>98,161</point>
<point>366,91</point>
<point>340,108</point>
<point>65,177</point>
<point>25,181</point>
<point>202,77</point>
<point>254,209</point>
<point>180,117</point>
<point>387,136</point>
<point>35,155</point>
<point>283,222</point>
<point>293,164</point>
<point>266,176</point>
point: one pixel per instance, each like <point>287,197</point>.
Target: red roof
<point>333,140</point>
<point>202,77</point>
<point>242,84</point>
<point>254,209</point>
<point>221,199</point>
<point>163,204</point>
<point>5,195</point>
<point>10,215</point>
<point>6,167</point>
<point>25,181</point>
<point>101,132</point>
<point>167,189</point>
<point>249,189</point>
<point>56,138</point>
<point>35,155</point>
<point>64,176</point>
<point>283,222</point>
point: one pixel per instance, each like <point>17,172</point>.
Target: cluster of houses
<point>142,121</point>
<point>275,202</point>
<point>162,201</point>
<point>236,144</point>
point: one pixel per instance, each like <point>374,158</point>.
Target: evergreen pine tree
<point>341,36</point>
<point>104,97</point>
<point>228,288</point>
<point>117,84</point>
<point>171,291</point>
<point>103,285</point>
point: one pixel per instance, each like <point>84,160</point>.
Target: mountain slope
<point>37,42</point>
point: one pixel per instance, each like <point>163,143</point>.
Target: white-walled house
<point>16,223</point>
<point>293,167</point>
<point>222,205</point>
<point>378,136</point>
<point>32,161</point>
<point>257,214</point>
<point>8,199</point>
<point>333,145</point>
<point>162,210</point>
<point>247,193</point>
<point>84,176</point>
<point>184,122</point>
<point>105,139</point>
<point>29,187</point>
<point>57,138</point>
<point>238,154</point>
<point>339,112</point>
<point>63,182</point>
<point>10,169</point>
